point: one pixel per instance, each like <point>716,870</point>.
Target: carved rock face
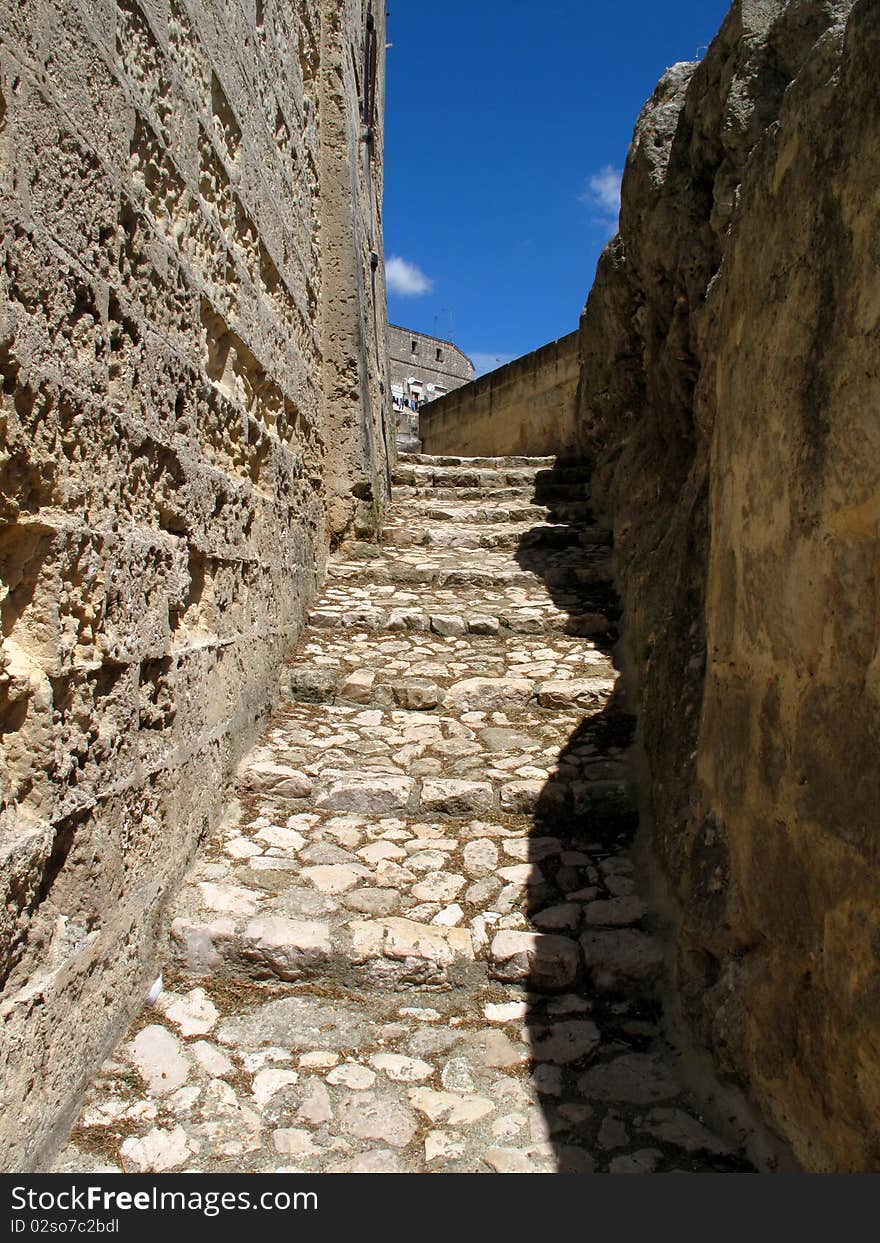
<point>730,357</point>
<point>191,412</point>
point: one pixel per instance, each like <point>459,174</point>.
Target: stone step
<point>415,668</point>
<point>467,1080</point>
<point>587,615</point>
<point>478,463</point>
<point>491,472</point>
<point>477,512</point>
<point>549,494</point>
<point>438,689</point>
<point>436,902</point>
<point>467,477</point>
<point>261,1078</point>
<point>539,568</point>
<point>548,487</point>
<point>465,534</point>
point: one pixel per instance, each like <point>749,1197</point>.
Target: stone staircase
<point>416,942</point>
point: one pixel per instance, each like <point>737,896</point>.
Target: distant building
<point>422,368</point>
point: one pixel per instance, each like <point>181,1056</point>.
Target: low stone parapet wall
<point>526,407</point>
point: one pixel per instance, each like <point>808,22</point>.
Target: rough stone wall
<point>354,324</point>
<point>192,353</point>
<point>731,374</point>
<point>527,406</point>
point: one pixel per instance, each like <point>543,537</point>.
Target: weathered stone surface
<point>335,878</point>
<point>564,1042</point>
<point>489,693</point>
<point>267,1083</point>
<point>615,912</point>
<point>478,623</point>
<point>373,901</point>
<point>544,960</point>
<point>202,944</point>
<point>191,412</point>
<point>287,948</point>
<point>562,918</point>
<point>298,1023</point>
<point>674,1126</point>
<point>417,694</point>
<point>358,686</point>
<point>402,1069</point>
<point>294,1142</point>
<point>729,362</point>
<point>310,685</point>
<point>451,1108</point>
<point>356,1078</point>
<point>443,1146</point>
<point>315,1107</point>
<point>575,693</point>
<point>193,1014</point>
<point>438,887</point>
<point>160,1150</point>
<point>373,794</point>
<point>448,624</point>
<point>277,780</point>
<point>378,1118</point>
<point>642,1162</point>
<point>456,798</point>
<point>159,1059</point>
<point>633,1078</point>
<point>403,938</point>
<point>508,1161</point>
<point>480,857</point>
<point>522,797</point>
<point>622,959</point>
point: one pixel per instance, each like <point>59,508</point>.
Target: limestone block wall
<point>415,354</point>
<point>192,360</point>
<point>731,382</point>
<point>528,407</point>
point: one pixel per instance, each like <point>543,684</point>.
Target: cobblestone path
<point>416,941</point>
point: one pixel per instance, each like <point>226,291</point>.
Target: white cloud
<point>484,362</point>
<point>603,192</point>
<point>405,278</point>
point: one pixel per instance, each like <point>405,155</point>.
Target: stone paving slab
<point>416,942</point>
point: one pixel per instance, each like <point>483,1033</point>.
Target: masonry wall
<point>731,382</point>
<point>525,407</point>
<point>450,372</point>
<point>193,361</point>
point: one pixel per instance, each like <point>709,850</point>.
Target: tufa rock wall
<point>729,396</point>
<point>192,361</point>
<point>527,406</point>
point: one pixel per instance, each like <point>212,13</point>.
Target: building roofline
<point>428,336</point>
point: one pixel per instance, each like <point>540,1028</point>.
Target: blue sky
<point>507,124</point>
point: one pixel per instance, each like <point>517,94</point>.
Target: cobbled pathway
<point>416,941</point>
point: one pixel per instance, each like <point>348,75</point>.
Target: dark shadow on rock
<point>604,1076</point>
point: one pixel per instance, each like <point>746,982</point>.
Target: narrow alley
<point>416,941</point>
